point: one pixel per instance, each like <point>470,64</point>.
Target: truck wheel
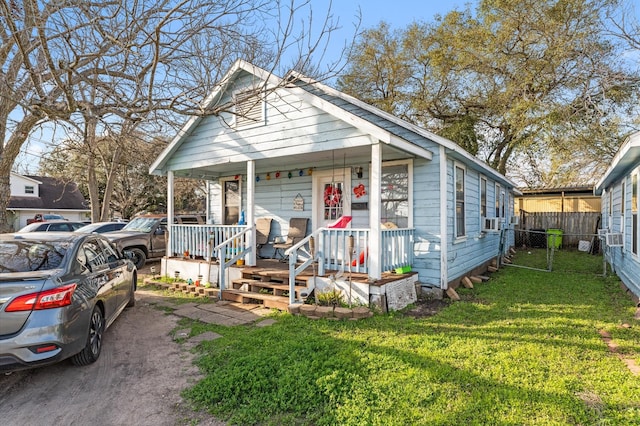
<point>137,256</point>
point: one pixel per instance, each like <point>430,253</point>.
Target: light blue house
<point>620,194</point>
<point>296,148</point>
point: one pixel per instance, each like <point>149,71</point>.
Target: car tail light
<point>55,298</point>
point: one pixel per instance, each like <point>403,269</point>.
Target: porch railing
<point>397,248</point>
<point>228,252</point>
<point>335,249</point>
<point>347,250</point>
<point>195,239</point>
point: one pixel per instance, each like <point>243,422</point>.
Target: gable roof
<point>372,120</point>
<point>627,157</point>
<point>55,194</point>
<point>363,109</point>
<point>25,178</point>
<point>240,66</point>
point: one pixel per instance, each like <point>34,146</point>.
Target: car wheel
<point>93,347</point>
<point>137,256</point>
<point>132,296</point>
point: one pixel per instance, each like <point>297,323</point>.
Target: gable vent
<point>249,108</point>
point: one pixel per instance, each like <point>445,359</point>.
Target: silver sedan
<point>59,292</point>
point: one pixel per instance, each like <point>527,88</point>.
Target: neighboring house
<point>575,210</point>
<point>570,199</point>
<point>294,147</point>
<point>620,204</point>
<point>31,195</point>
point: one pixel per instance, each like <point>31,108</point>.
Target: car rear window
<point>26,256</point>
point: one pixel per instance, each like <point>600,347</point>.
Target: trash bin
<point>554,238</point>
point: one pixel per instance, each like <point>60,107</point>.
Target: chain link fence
<point>554,250</point>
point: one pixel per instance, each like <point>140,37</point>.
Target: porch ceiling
<point>352,157</point>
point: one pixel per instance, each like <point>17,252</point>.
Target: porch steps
<point>267,300</point>
<point>256,286</point>
<point>264,286</point>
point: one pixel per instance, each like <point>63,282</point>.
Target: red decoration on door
<point>332,196</point>
<point>359,191</point>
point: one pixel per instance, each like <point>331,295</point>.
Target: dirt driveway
<point>136,381</point>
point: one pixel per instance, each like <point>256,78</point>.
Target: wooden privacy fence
<point>575,226</point>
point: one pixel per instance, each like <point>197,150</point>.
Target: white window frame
<point>623,190</point>
<point>29,189</point>
<point>499,197</point>
<point>463,235</point>
<point>635,212</point>
<point>223,197</point>
<point>483,199</point>
<point>409,164</point>
<point>610,208</point>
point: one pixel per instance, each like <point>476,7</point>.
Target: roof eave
<point>446,143</point>
<point>625,159</point>
<point>158,166</point>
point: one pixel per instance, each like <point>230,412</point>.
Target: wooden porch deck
<point>267,283</point>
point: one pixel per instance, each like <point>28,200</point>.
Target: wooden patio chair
<point>263,229</point>
<point>297,232</point>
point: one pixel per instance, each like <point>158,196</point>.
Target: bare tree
<point>121,66</point>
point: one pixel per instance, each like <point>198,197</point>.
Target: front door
<point>331,196</point>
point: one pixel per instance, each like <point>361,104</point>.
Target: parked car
<point>144,236</point>
<point>58,294</point>
<point>101,227</point>
<point>52,226</point>
<point>39,217</point>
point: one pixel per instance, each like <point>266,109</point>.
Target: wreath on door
<point>332,196</point>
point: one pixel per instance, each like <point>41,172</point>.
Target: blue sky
<point>397,13</point>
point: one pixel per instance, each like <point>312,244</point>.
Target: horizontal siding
<point>293,128</point>
<point>426,220</point>
<point>477,247</point>
<point>623,262</point>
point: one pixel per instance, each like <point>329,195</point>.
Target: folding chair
<point>263,229</point>
<point>297,232</point>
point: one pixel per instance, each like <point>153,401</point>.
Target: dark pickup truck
<point>144,237</point>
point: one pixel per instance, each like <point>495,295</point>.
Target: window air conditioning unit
<point>615,240</point>
<point>491,224</point>
<point>515,220</point>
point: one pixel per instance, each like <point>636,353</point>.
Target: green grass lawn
<point>522,349</point>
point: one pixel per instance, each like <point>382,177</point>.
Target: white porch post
<point>375,267</point>
<point>170,210</point>
<point>250,211</point>
<point>444,240</point>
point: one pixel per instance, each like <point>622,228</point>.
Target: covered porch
<point>338,258</point>
<point>269,284</point>
<point>377,194</point>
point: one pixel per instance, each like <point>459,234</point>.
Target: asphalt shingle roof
<point>54,193</point>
